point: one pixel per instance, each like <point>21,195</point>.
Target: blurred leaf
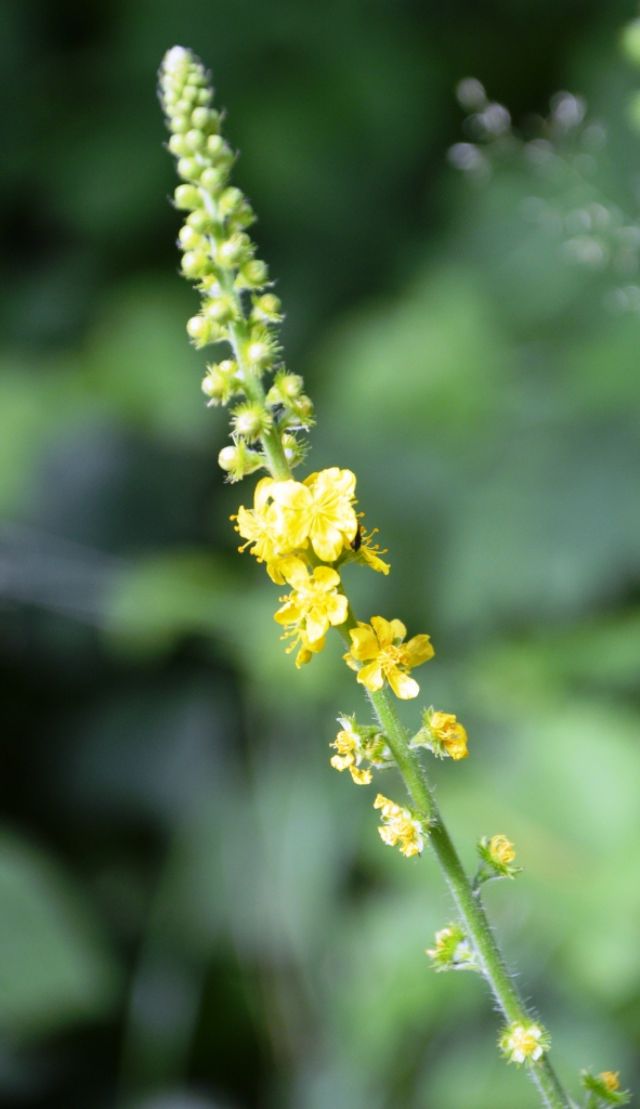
<point>55,967</point>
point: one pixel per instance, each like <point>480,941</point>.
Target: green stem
<point>468,904</point>
<point>467,901</point>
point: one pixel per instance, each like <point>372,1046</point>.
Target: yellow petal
<point>418,650</point>
<point>316,625</point>
<point>360,777</point>
<point>263,492</point>
<point>398,630</point>
<point>290,613</point>
<point>364,644</point>
<point>382,629</point>
<point>337,608</point>
<point>370,676</point>
<point>327,540</point>
<point>295,571</point>
<point>326,577</point>
<point>402,685</point>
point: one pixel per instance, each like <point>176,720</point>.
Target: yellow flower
<point>399,827</point>
<point>501,850</point>
<point>379,647</point>
<point>452,950</point>
<point>258,526</point>
<point>450,733</point>
<point>347,744</point>
<point>519,1042</point>
<point>355,743</point>
<point>610,1080</point>
<point>313,606</point>
<point>499,854</point>
<point>365,550</point>
<point>605,1087</point>
<point>288,515</point>
<point>320,510</point>
<point>443,734</point>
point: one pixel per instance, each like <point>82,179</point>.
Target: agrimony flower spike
<point>220,258</point>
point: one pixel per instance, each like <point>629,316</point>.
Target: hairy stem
<point>468,903</point>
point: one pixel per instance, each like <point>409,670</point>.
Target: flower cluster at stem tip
<point>303,531</point>
<point>237,307</point>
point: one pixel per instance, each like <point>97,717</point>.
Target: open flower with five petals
<point>378,653</point>
<point>312,607</point>
<point>319,510</point>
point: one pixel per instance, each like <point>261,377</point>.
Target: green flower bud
<point>221,309</point>
<point>195,139</point>
<point>238,461</point>
<point>195,263</point>
<point>212,179</point>
<point>230,201</point>
<point>253,275</point>
<point>202,331</point>
<point>205,119</point>
<point>260,348</point>
<point>286,388</point>
<point>187,197</point>
<point>180,124</point>
<point>200,221</point>
<point>266,309</point>
<point>189,168</point>
<point>232,252</point>
<point>294,451</point>
<point>178,146</point>
<point>219,151</point>
<point>221,382</point>
<point>251,420</point>
<point>190,239</point>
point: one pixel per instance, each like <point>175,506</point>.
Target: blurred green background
<point>195,910</point>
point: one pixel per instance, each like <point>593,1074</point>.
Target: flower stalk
<point>305,532</point>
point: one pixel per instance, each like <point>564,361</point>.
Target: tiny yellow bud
<point>502,850</point>
<point>610,1080</point>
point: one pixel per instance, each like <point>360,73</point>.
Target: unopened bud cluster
<point>237,306</point>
